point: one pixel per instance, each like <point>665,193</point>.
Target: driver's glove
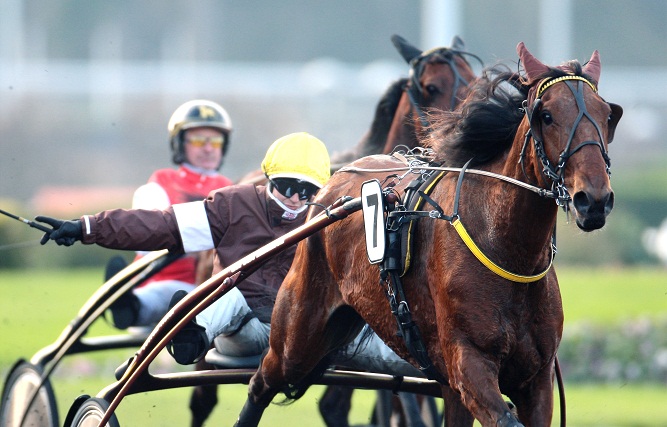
<point>64,233</point>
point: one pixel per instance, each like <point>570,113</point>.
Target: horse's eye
<point>432,89</point>
<point>546,118</point>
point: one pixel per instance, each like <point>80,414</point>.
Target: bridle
<point>414,89</point>
<point>556,174</point>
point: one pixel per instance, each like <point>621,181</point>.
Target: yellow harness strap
<point>547,83</point>
<point>463,233</point>
<point>418,204</point>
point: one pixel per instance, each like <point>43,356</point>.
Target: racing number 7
<point>374,226</point>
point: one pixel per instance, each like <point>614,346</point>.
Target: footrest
<point>223,361</point>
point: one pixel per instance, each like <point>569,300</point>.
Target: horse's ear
<point>532,66</point>
<point>616,113</point>
<point>593,66</point>
<point>457,43</point>
<point>407,51</point>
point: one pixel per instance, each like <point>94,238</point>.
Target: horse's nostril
<point>585,204</point>
<point>609,204</point>
<point>581,202</point>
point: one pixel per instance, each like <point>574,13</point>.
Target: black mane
<point>374,140</point>
<point>485,124</point>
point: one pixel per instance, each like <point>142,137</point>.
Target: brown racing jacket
<point>241,219</point>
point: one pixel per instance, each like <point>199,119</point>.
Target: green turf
<point>35,307</point>
<point>610,295</point>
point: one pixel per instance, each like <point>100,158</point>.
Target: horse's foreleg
<point>203,398</point>
<point>476,379</point>
<point>455,413</point>
<point>335,405</point>
<point>534,403</point>
<point>260,394</point>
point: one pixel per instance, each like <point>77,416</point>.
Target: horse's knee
<point>259,391</point>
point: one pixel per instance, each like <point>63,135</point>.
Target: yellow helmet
<point>298,155</point>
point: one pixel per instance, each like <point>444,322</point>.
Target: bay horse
<point>484,310</point>
<point>438,80</point>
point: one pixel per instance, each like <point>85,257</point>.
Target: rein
<point>455,220</point>
<point>420,168</point>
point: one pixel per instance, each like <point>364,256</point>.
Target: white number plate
<point>373,208</point>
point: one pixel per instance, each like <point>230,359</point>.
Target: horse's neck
<point>523,217</point>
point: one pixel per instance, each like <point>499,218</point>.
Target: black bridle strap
<point>414,89</point>
<point>583,112</point>
<point>556,175</point>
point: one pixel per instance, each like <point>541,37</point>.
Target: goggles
<point>215,141</point>
<point>290,186</point>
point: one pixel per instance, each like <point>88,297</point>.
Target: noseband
<point>416,92</point>
<point>556,174</point>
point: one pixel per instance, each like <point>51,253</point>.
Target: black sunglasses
<point>290,186</point>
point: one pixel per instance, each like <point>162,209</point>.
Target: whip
<point>33,224</point>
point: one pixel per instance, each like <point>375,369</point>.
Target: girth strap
<point>407,328</point>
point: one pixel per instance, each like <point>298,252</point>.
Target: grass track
<point>35,307</point>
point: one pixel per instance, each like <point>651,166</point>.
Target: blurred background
<point>87,88</point>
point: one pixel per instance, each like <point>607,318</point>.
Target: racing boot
<point>125,310</point>
<point>190,344</point>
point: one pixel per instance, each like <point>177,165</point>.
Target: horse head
<point>571,128</point>
<point>438,79</point>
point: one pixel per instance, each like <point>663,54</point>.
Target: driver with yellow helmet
<point>235,220</point>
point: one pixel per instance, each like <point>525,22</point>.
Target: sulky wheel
<point>90,412</point>
<point>22,381</point>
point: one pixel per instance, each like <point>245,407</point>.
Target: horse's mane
<point>485,124</point>
<point>385,110</point>
<point>374,140</point>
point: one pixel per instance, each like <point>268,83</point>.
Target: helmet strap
<point>289,213</point>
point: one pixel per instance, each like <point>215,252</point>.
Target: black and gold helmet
<point>193,114</point>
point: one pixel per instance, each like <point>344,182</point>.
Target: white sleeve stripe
<point>86,220</point>
<point>193,226</point>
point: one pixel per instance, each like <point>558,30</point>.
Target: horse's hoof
<point>513,410</point>
<point>509,420</point>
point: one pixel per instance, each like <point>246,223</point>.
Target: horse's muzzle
<point>591,211</point>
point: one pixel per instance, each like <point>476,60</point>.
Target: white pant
<point>154,299</point>
<point>373,355</point>
<point>223,318</point>
<point>223,321</point>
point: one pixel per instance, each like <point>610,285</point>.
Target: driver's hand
<point>64,233</point>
